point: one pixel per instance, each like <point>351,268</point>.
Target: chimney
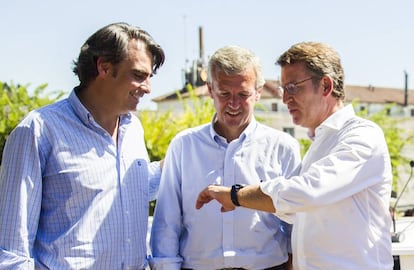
<point>201,42</point>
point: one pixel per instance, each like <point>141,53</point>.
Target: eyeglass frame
<point>293,86</point>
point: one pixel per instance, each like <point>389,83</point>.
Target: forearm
<point>252,197</point>
<point>249,197</point>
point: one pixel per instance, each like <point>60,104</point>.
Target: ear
<point>259,92</point>
<point>327,84</point>
<point>102,67</point>
<point>210,90</point>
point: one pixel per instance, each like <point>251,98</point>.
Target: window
<point>275,107</point>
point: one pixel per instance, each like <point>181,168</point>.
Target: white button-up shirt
<point>341,197</point>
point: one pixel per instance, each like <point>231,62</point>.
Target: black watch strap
<point>233,194</point>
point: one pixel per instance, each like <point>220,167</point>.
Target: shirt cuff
<point>165,263</point>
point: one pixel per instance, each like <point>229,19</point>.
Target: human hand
<point>218,193</point>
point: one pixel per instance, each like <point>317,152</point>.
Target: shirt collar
<point>84,115</point>
<point>79,109</point>
<point>337,120</point>
<point>244,135</point>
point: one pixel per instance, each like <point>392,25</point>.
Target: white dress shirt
<point>341,197</point>
<point>208,239</point>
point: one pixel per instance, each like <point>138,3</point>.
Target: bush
<point>15,103</point>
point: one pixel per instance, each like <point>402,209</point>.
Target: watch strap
<point>233,193</point>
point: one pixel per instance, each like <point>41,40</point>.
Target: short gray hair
<point>235,60</point>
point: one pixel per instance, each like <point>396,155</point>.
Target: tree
<point>397,138</point>
<point>15,103</point>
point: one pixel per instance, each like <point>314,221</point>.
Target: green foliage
<point>397,138</point>
<point>15,103</point>
<point>304,146</point>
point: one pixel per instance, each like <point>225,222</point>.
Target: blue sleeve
<point>286,229</point>
<point>20,200</point>
<point>154,176</point>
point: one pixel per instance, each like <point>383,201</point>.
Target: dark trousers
<point>277,267</point>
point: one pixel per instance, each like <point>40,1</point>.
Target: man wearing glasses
<point>233,148</point>
<point>341,196</point>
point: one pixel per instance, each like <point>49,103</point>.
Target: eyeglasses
<point>292,88</point>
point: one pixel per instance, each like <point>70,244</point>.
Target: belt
<point>276,267</point>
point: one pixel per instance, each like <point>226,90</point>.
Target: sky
<point>375,39</point>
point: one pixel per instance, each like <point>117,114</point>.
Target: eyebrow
<point>140,72</point>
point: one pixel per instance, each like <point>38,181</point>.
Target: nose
<point>234,101</point>
<point>145,86</point>
<point>286,97</point>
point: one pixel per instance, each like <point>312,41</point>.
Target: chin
<point>296,121</point>
<point>133,106</point>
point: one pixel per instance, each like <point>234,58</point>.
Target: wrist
<point>233,193</point>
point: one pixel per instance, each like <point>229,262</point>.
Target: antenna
<point>201,42</point>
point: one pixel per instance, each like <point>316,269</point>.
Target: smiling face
<point>129,80</point>
<point>234,98</point>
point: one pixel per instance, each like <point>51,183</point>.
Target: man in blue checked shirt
<point>76,179</point>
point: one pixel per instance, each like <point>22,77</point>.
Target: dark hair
<point>111,43</point>
<point>320,59</point>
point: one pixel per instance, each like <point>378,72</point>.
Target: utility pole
<point>405,88</point>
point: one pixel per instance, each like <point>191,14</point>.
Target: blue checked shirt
<point>72,199</point>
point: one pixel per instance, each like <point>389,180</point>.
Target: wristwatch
<point>233,194</point>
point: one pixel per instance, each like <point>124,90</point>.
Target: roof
<point>365,94</point>
<point>374,94</point>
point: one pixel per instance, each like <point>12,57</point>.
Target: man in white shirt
<point>341,197</point>
<point>233,147</point>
